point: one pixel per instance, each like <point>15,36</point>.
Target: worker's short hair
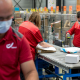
<point>78,14</point>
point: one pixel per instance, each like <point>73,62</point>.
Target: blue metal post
<point>69,71</point>
<point>56,70</point>
<point>64,77</point>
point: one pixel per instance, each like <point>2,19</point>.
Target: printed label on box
<point>39,51</point>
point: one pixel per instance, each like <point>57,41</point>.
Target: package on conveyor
<point>70,58</point>
<point>40,49</point>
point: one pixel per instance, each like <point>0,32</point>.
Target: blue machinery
<point>44,63</point>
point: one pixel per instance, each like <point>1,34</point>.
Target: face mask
<point>79,22</point>
<point>5,25</point>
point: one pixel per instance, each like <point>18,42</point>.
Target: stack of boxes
<point>18,19</point>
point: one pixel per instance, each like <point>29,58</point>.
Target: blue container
<point>16,8</point>
<point>45,40</point>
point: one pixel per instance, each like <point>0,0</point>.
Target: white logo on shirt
<point>8,46</point>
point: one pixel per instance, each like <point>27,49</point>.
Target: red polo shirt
<point>14,50</point>
<point>32,34</point>
<point>76,31</point>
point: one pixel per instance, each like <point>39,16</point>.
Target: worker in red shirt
<point>76,31</point>
<point>76,41</point>
<point>14,48</point>
<point>30,29</point>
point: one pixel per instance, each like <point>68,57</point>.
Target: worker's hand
<point>45,45</point>
<point>50,46</point>
<point>67,34</point>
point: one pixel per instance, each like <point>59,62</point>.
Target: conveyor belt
<point>58,59</point>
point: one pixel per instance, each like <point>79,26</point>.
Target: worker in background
<point>30,29</point>
<point>14,48</point>
<point>76,41</point>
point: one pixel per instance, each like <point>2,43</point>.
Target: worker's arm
<point>29,70</point>
<point>72,30</point>
<point>26,61</point>
<point>44,44</point>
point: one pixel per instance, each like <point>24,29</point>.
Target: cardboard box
<point>70,12</point>
<point>57,32</point>
<point>64,12</point>
<point>46,20</point>
<point>46,27</point>
<point>78,2</point>
<point>17,11</point>
<point>57,25</point>
<point>43,51</point>
<point>67,23</point>
<point>57,12</point>
<point>18,20</point>
<point>17,14</point>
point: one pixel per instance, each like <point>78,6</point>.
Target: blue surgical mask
<point>5,25</point>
